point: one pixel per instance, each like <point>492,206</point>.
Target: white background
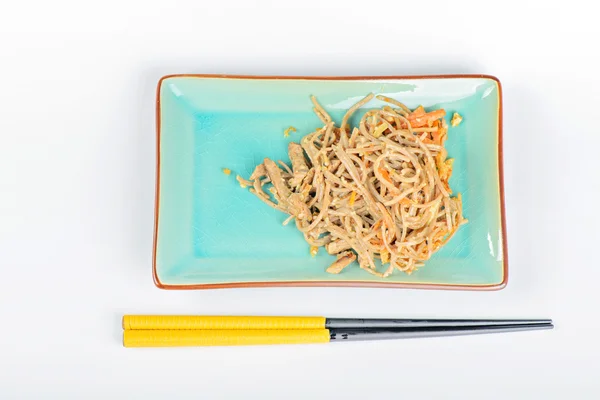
<point>77,194</point>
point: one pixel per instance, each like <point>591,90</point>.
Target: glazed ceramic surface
<point>212,233</point>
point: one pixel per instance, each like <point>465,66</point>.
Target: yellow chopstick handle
<point>217,337</point>
<point>220,322</point>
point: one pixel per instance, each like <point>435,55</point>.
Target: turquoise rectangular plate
<point>211,233</point>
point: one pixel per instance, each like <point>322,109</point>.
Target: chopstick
<point>240,337</point>
<point>161,322</point>
<point>183,331</point>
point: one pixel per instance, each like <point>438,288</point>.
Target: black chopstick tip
<point>385,323</point>
<point>351,334</point>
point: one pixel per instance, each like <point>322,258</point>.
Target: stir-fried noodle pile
<point>377,191</point>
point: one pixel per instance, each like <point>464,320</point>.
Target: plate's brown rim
<point>390,285</point>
